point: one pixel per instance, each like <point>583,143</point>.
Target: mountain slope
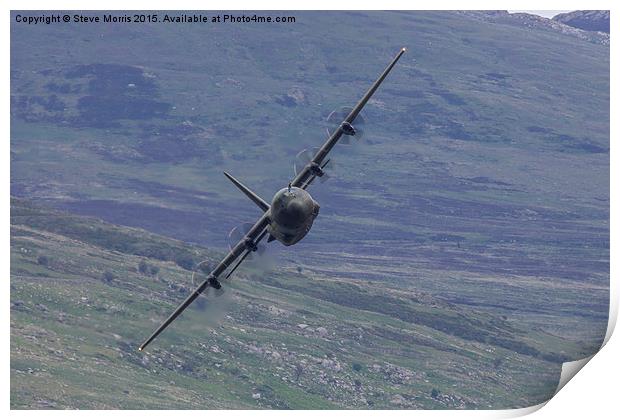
<point>79,308</point>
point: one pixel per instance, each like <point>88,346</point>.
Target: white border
<point>593,394</point>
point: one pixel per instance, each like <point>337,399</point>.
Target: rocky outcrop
<point>530,21</point>
<point>587,20</point>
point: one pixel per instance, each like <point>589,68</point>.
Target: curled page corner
<point>613,314</point>
<point>570,369</point>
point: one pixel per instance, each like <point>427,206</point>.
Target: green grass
<point>74,337</point>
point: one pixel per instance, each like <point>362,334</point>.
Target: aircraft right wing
<point>315,166</point>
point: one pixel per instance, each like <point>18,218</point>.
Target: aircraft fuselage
<point>292,213</point>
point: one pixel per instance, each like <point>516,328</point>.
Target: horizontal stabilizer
<point>249,193</point>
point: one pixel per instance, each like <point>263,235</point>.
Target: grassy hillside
<point>82,299</point>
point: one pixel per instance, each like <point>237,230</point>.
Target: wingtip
<point>139,348</point>
<point>404,49</point>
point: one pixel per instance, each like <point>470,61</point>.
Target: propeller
<point>305,156</point>
<point>238,233</point>
<point>260,259</point>
<point>337,117</point>
<point>199,275</point>
<point>213,303</point>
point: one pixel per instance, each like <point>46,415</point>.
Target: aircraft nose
<point>294,215</point>
<point>295,210</point>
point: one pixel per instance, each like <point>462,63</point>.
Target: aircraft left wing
<point>242,248</point>
<point>315,166</point>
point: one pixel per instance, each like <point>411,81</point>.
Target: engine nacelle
<point>348,129</point>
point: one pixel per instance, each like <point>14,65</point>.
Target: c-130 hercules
<point>291,213</point>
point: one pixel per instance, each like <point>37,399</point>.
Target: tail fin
<point>249,193</point>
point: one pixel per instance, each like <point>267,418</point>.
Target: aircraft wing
<point>242,248</point>
<point>311,170</point>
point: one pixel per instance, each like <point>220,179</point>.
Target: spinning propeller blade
<point>305,156</point>
<point>238,233</point>
<point>335,119</point>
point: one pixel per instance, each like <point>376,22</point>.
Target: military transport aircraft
<point>292,211</point>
